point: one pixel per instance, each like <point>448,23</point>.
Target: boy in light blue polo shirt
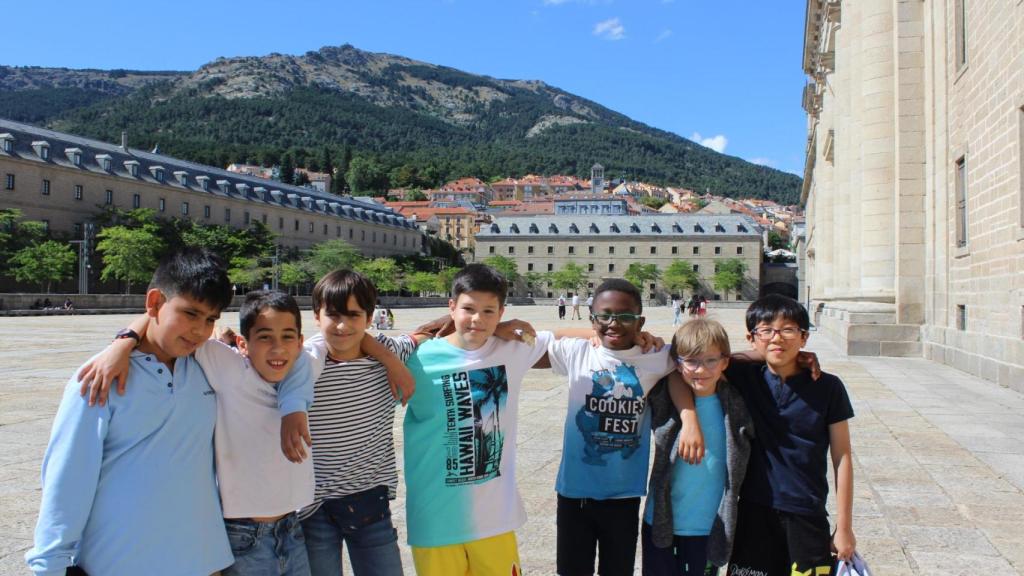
<point>128,487</point>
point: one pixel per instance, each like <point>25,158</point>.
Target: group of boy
<point>115,473</point>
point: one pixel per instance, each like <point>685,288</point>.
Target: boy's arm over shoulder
<point>71,470</point>
<point>220,362</point>
<point>563,350</point>
<point>295,392</point>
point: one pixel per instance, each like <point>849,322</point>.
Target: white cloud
<point>716,143</point>
<point>610,29</point>
<point>664,35</point>
<point>763,162</point>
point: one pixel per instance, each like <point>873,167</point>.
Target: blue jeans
<point>267,548</point>
<point>363,523</point>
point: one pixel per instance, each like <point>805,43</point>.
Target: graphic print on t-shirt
<point>609,419</point>
<point>473,402</point>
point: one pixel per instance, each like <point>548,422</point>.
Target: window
<point>529,249</point>
<point>246,218</point>
<point>76,158</point>
<point>374,240</point>
<point>551,267</point>
<point>310,227</point>
<point>572,249</point>
<point>511,249</point>
<point>280,222</point>
<point>46,226</point>
<point>960,27</point>
<point>44,152</point>
<point>184,208</point>
<point>206,211</point>
<point>325,229</point>
<point>108,197</point>
<point>78,191</point>
<point>490,249</point>
<point>961,317</point>
<point>718,250</point>
<point>46,187</point>
<point>675,249</point>
<point>551,249</point>
<point>611,267</point>
<point>590,249</point>
<point>696,249</point>
<point>296,224</point>
<point>529,266</point>
<point>10,182</point>
<point>136,200</point>
<point>611,249</point>
<point>163,204</point>
<point>362,235</point>
<point>351,233</point>
<point>8,145</point>
<point>227,214</point>
<point>961,202</point>
<point>739,249</point>
<point>654,249</point>
<point>77,228</point>
<point>632,249</point>
<point>338,231</point>
<point>696,267</point>
<point>590,267</point>
<point>263,218</point>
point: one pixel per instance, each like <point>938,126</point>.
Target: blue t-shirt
<point>606,442</point>
<point>697,488</point>
<point>789,455</point>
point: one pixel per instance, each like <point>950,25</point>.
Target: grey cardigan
<point>665,425</point>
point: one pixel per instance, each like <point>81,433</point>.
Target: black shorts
<point>771,542</point>
<point>607,529</point>
<point>687,556</point>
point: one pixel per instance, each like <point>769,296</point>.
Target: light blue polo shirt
<point>128,488</point>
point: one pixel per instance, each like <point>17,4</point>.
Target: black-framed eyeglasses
<point>787,333</point>
<point>693,364</point>
<point>624,319</point>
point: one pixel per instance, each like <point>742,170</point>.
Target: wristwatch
<point>127,333</point>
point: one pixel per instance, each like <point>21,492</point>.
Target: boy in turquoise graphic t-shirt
<point>462,503</point>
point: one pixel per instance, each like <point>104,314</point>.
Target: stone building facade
<point>914,184</point>
<point>605,246</point>
<point>64,180</point>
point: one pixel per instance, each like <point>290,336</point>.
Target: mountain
<point>415,123</point>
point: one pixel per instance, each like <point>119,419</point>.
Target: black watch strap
<point>127,333</point>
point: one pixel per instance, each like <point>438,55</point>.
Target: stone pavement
<point>939,454</point>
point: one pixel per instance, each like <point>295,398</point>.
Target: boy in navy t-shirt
<point>783,527</point>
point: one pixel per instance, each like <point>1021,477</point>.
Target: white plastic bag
<point>855,567</point>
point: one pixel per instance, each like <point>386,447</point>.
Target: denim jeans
<point>267,548</point>
<point>362,522</point>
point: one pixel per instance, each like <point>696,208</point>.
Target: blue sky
<point>724,72</point>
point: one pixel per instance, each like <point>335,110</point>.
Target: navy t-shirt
<point>788,467</point>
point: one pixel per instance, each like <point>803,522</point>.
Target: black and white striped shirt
<point>351,422</point>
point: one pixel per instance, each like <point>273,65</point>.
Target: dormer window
<point>719,227</point>
<point>181,176</point>
<point>534,229</point>
<point>594,229</point>
<point>677,228</point>
<point>697,228</point>
<point>634,228</point>
<point>741,228</point>
<point>573,228</point>
<point>157,172</point>
<point>105,162</point>
<point>552,229</point>
<point>243,189</point>
<point>614,228</point>
<point>655,228</point>
<point>261,193</point>
<point>42,148</point>
<point>514,229</point>
<point>132,166</point>
<point>495,229</point>
<point>204,182</point>
<point>224,186</point>
<point>8,141</point>
<point>74,155</point>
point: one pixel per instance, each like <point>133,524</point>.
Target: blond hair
<point>697,336</point>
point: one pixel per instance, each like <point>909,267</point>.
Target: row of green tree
<point>677,278</point>
<point>130,243</point>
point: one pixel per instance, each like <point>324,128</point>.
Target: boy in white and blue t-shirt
<point>603,473</point>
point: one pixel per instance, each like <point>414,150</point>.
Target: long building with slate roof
<point>605,246</point>
<point>64,180</point>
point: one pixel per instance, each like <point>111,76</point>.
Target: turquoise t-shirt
<point>460,440</point>
<point>697,489</point>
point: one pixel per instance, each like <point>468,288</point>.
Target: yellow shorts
<point>494,556</point>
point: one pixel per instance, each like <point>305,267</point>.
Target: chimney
<point>124,140</point>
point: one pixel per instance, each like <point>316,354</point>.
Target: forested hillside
<point>419,124</point>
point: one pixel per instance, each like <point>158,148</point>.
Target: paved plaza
<point>938,454</point>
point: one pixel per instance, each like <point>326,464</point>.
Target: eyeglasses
<point>624,319</point>
<point>694,364</point>
<point>787,333</point>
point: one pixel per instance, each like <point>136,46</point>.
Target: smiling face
<point>273,344</point>
<point>616,335</point>
<point>779,353</point>
<point>703,370</point>
<point>343,329</point>
<point>476,315</point>
<point>178,325</point>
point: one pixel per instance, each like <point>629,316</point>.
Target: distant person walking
<point>561,307</point>
<point>576,308</point>
<point>693,305</point>
<point>702,307</point>
<point>677,311</point>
